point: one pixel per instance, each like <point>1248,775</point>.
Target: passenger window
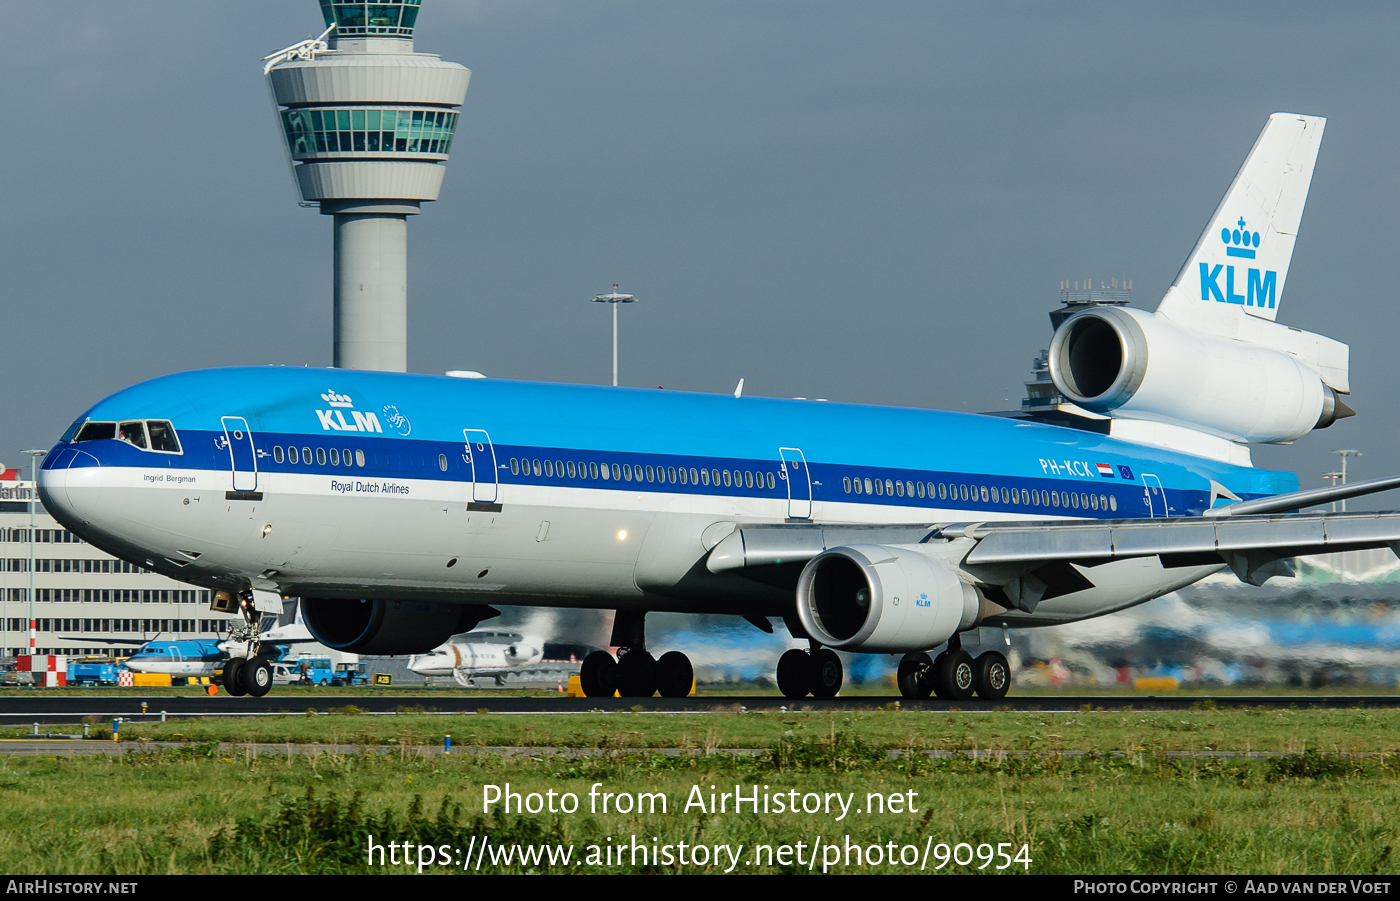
<point>1094,501</point>
<point>163,436</point>
<point>593,470</point>
<point>858,488</point>
<point>549,468</point>
<point>728,479</point>
<point>705,477</point>
<point>942,491</point>
<point>616,471</point>
<point>671,474</point>
<point>335,458</point>
<point>846,483</point>
<point>627,471</point>
<point>320,456</point>
<point>921,489</point>
<point>683,476</point>
<point>442,461</point>
<point>1005,496</point>
<point>1112,502</point>
<point>360,458</point>
<point>292,455</point>
<point>692,474</point>
<point>603,471</point>
<point>573,471</point>
<point>770,480</point>
<point>278,455</point>
<point>97,431</point>
<point>306,455</point>
<point>536,467</point>
<point>651,473</point>
<point>899,488</point>
<point>748,479</point>
<point>559,468</point>
<point>984,494</point>
<point>133,433</point>
<point>879,487</point>
<point>514,466</point>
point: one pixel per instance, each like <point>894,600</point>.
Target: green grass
<point>1255,729</point>
<point>202,808</point>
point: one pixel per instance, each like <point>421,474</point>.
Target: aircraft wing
<point>113,642</point>
<point>1183,541</point>
<point>1251,538</point>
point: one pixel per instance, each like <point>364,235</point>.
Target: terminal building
<point>82,593</point>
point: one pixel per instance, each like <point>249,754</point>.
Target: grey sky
<point>869,202</point>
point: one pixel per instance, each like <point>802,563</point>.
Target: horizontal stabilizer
<point>1282,503</point>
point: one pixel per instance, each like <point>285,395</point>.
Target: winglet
<point>1242,257</point>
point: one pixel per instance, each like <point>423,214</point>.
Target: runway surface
<point>40,708</point>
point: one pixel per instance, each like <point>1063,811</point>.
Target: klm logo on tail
<point>1259,287</point>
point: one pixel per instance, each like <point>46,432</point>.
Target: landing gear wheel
<point>598,675</point>
<point>915,675</point>
<point>256,676</point>
<point>636,675</point>
<point>827,672</point>
<point>953,677</point>
<point>992,676</point>
<point>233,676</point>
<point>674,675</point>
<point>795,676</point>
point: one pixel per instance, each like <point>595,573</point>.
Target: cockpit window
<point>163,436</point>
<point>133,433</point>
<point>97,431</point>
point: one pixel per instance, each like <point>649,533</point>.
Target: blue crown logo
<point>1240,242</point>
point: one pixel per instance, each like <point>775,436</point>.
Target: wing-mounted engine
<point>1132,364</point>
<point>388,627</point>
<point>881,598</point>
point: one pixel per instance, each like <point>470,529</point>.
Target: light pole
<point>1344,454</point>
<point>1333,477</point>
<point>34,456</point>
<point>614,298</point>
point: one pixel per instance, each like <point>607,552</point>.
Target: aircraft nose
<point>67,482</point>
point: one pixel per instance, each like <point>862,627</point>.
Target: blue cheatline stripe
<point>389,458</point>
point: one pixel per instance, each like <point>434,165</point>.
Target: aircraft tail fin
<point>1241,260</point>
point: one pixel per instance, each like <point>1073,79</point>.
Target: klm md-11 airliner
<point>400,508</point>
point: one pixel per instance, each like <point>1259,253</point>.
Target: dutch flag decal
<point>1105,470</point>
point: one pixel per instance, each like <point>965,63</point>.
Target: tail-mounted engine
<point>878,598</point>
<point>1139,365</point>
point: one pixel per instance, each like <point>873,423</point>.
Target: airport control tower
<point>368,125</point>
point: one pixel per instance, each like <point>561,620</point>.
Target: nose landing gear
<point>252,673</point>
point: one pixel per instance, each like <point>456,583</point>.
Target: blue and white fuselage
<point>330,483</point>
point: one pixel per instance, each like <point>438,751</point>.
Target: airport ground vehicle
<point>92,672</point>
<point>350,674</point>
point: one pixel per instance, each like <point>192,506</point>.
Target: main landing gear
<point>954,675</point>
<point>818,673</point>
<point>635,673</point>
<point>250,674</point>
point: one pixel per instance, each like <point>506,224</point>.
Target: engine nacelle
<point>388,627</point>
<point>885,599</point>
<point>1139,365</point>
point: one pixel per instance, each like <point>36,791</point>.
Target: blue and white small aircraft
<point>400,507</point>
<point>203,657</point>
